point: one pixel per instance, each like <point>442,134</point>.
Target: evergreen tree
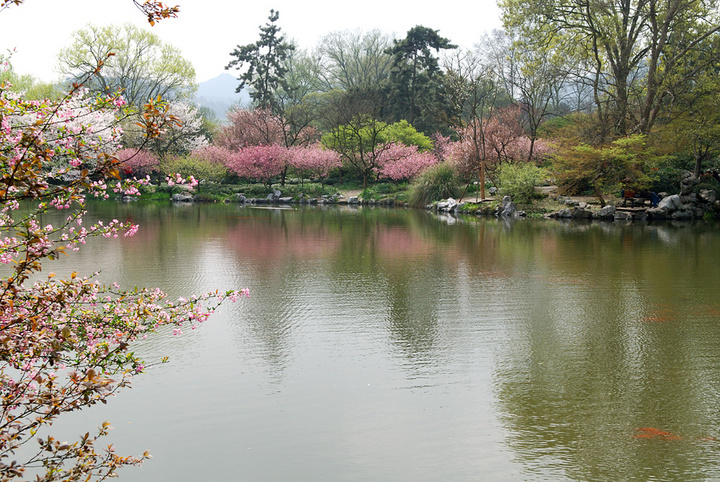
<point>416,81</point>
<point>263,62</point>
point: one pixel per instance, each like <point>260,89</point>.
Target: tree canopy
<point>263,64</point>
<point>415,78</point>
<point>133,60</point>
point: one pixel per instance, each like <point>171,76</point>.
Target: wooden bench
<point>635,197</point>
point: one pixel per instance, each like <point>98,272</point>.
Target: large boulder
<point>508,207</point>
<point>623,216</point>
<point>580,213</point>
<point>670,203</point>
<point>182,197</point>
<point>607,213</point>
<point>683,215</point>
<point>447,206</point>
<point>688,181</point>
<point>658,214</point>
<point>564,214</point>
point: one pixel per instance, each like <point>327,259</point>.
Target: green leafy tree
<point>602,170</point>
<point>360,144</point>
<point>416,80</point>
<point>403,133</point>
<point>353,59</point>
<point>264,65</point>
<point>133,60</point>
<point>691,129</point>
<point>31,88</point>
<point>635,49</point>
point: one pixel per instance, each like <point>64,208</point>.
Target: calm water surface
<point>395,345</point>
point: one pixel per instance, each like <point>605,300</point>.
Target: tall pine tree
<point>263,64</point>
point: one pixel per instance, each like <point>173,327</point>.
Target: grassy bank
<point>388,193</point>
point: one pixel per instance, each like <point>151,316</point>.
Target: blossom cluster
<point>64,343</point>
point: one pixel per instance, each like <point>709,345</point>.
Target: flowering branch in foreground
<point>64,343</point>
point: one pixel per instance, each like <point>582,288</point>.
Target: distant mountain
<point>219,94</point>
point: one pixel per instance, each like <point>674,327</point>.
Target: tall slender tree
<point>263,64</point>
<point>416,78</point>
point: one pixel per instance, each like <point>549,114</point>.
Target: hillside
<point>219,94</point>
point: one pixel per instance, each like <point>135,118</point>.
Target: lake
<point>397,345</point>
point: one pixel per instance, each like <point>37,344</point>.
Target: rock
<point>583,205</point>
<point>708,196</point>
<point>508,207</point>
<point>687,199</point>
<point>493,190</point>
<point>626,216</point>
<point>508,210</point>
<point>687,183</point>
<point>353,200</point>
<point>683,215</point>
<point>579,213</point>
<point>639,216</point>
<point>182,197</point>
<point>623,216</point>
<point>447,206</point>
<point>670,203</point>
<point>608,213</point>
<point>241,198</point>
<point>564,214</point>
<point>657,214</point>
<point>520,214</point>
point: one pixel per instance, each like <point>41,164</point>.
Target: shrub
<point>193,166</point>
<point>434,184</point>
<point>520,180</point>
<point>606,169</point>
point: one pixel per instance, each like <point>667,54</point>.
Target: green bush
<point>384,190</point>
<point>436,183</point>
<point>520,180</point>
<point>199,169</point>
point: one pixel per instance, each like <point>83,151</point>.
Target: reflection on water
<point>394,345</point>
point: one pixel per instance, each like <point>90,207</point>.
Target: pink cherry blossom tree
<point>401,162</point>
<point>314,160</point>
<point>250,127</point>
<point>138,163</point>
<point>261,163</point>
<point>213,153</point>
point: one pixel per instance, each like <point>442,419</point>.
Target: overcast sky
<point>206,31</point>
